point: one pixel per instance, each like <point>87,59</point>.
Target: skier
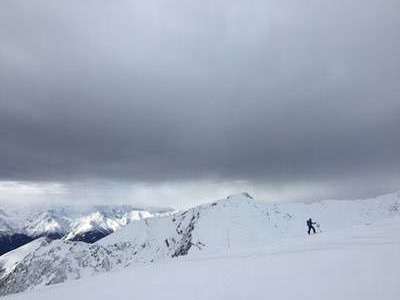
<point>310,226</point>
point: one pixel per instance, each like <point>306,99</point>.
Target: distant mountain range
<point>88,224</point>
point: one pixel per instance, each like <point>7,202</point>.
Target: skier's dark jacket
<point>310,223</point>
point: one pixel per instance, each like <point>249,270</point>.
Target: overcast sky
<point>176,102</point>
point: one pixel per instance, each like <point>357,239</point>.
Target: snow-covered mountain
<point>358,263</point>
<point>87,224</point>
<point>218,228</point>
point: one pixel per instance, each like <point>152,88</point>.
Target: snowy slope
<point>240,220</point>
<point>227,226</point>
<point>357,263</point>
<point>10,260</point>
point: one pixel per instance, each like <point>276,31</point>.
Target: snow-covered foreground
<point>360,262</point>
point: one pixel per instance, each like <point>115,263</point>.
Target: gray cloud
<point>275,92</point>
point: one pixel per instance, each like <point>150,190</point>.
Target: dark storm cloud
<point>153,91</point>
